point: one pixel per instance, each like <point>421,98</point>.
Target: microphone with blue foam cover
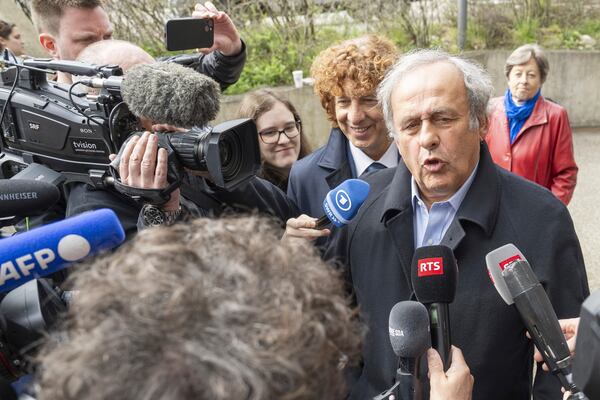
<point>343,202</point>
<point>50,248</point>
<point>434,276</point>
<point>23,197</point>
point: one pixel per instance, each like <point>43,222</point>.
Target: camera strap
<point>151,196</point>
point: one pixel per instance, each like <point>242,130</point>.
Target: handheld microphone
<point>21,197</point>
<point>50,248</point>
<point>496,261</point>
<point>169,93</point>
<point>343,202</point>
<point>434,276</point>
<point>540,320</point>
<point>586,363</point>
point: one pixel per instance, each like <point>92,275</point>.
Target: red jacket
<point>543,149</point>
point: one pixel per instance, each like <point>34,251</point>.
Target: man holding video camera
<point>66,27</point>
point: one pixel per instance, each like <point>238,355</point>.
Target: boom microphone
<point>168,93</point>
<point>540,320</point>
<point>496,261</point>
<point>50,248</point>
<point>22,197</point>
<point>343,202</point>
<point>434,276</point>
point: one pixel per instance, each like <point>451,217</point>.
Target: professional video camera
<point>73,133</point>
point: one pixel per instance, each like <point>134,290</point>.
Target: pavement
<point>584,207</point>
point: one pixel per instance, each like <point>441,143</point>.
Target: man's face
<point>431,117</point>
<point>361,120</point>
<point>78,28</point>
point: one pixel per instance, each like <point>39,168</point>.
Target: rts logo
<point>509,260</point>
<point>430,266</point>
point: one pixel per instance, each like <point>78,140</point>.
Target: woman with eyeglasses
<point>279,134</point>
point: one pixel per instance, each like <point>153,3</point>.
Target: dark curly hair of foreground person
<point>213,309</point>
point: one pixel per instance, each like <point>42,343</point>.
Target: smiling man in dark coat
<point>447,190</point>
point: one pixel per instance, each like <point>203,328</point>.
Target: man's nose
<point>428,137</point>
<point>356,113</point>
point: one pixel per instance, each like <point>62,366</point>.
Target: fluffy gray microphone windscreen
<point>409,329</point>
<point>168,93</point>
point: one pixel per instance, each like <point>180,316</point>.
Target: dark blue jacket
<point>377,248</point>
<point>312,177</point>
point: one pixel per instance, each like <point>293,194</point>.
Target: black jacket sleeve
<point>226,70</point>
<point>257,194</point>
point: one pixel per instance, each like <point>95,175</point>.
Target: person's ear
<point>483,128</point>
<point>3,42</point>
<point>48,42</point>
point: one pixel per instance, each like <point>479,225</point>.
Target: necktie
<point>373,167</point>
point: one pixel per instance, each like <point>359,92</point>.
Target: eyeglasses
<point>271,136</point>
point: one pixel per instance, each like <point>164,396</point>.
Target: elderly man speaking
<point>447,190</point>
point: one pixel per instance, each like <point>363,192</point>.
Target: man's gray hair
<point>477,82</point>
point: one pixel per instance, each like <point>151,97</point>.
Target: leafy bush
<point>285,35</point>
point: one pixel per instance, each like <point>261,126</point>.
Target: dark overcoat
<point>377,247</point>
<point>313,176</point>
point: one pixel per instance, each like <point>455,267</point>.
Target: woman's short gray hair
<point>477,82</point>
<point>523,54</point>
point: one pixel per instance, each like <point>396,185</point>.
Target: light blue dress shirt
<point>431,225</point>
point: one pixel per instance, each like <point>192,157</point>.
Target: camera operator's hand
<point>144,165</point>
<point>569,329</point>
<point>303,227</point>
<point>227,38</point>
<point>454,384</point>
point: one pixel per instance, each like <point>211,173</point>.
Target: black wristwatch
<point>155,216</point>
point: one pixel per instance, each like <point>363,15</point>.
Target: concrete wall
<point>314,121</point>
<point>573,82</point>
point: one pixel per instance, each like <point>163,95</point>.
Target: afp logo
<point>342,201</point>
<point>430,266</point>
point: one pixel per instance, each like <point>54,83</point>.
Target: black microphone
<point>540,320</point>
<point>434,276</point>
<point>168,93</point>
<point>410,337</point>
<point>586,362</point>
<point>22,197</point>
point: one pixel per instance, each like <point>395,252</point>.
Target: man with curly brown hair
<point>214,309</point>
<point>346,79</point>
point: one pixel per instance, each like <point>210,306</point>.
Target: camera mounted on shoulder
<point>73,132</point>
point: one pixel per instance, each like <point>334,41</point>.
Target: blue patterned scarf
<point>517,115</point>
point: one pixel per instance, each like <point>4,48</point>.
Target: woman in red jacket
<point>528,134</point>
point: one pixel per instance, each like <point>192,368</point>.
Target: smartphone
<point>189,33</point>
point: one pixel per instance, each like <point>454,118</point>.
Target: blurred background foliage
<point>285,35</point>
